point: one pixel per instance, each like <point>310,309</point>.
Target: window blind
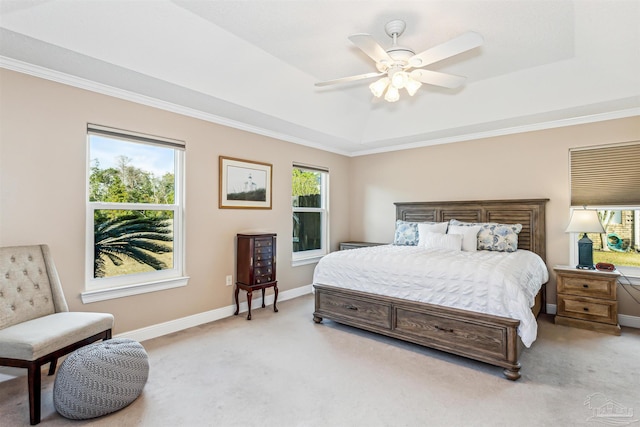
<point>606,176</point>
<point>134,136</point>
<point>310,168</point>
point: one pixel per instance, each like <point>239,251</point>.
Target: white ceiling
<point>253,64</point>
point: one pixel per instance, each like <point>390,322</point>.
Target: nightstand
<point>587,299</point>
<point>356,245</point>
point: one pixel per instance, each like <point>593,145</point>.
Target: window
<point>134,214</point>
<point>607,179</point>
<point>310,219</point>
<point>620,245</point>
<point>615,217</point>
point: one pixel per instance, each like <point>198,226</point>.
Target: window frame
<point>313,256</point>
<point>99,289</point>
<point>605,177</point>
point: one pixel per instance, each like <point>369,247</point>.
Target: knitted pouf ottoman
<point>100,378</point>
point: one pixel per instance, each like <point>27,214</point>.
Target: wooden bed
<point>483,337</point>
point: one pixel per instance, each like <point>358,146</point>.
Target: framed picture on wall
<point>244,184</point>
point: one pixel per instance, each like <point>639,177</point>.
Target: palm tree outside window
<point>134,208</point>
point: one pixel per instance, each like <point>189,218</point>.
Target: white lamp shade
<point>392,94</point>
<point>378,87</point>
<point>399,79</point>
<point>412,86</point>
<point>585,221</point>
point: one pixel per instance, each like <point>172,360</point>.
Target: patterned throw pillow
<point>406,233</point>
<point>493,236</point>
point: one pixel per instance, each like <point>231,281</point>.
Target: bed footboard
<point>483,337</point>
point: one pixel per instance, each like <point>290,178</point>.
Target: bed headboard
<point>528,212</point>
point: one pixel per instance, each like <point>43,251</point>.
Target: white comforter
<point>498,283</point>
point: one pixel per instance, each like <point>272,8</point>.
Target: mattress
<point>498,283</point>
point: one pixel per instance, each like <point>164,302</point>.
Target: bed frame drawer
<point>479,336</point>
<point>451,332</point>
<point>357,310</point>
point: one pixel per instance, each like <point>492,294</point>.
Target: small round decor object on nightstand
<point>100,378</point>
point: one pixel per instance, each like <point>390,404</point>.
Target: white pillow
<point>442,241</point>
<point>430,227</point>
<point>469,236</point>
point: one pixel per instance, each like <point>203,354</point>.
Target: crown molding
<point>81,83</point>
<point>551,124</point>
<point>78,82</point>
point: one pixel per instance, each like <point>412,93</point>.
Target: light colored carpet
<point>281,369</point>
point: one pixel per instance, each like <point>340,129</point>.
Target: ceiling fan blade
<point>450,81</point>
<point>349,79</point>
<point>370,46</point>
<point>447,49</point>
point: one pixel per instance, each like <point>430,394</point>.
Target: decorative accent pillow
<point>406,233</point>
<point>442,241</point>
<point>493,236</point>
<point>469,236</point>
<point>430,227</point>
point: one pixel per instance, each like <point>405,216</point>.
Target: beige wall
<point>42,188</point>
<point>42,193</point>
<point>527,165</point>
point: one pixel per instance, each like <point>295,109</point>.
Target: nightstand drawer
<point>592,309</point>
<point>587,286</point>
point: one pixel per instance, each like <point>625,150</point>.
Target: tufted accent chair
<point>36,326</point>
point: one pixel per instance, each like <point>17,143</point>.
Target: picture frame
<point>244,184</point>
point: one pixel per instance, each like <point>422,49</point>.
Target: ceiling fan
<point>400,67</point>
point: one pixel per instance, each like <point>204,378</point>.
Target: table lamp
<point>585,221</point>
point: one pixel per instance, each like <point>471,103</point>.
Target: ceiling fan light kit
<point>392,94</point>
<point>394,64</point>
<point>378,87</point>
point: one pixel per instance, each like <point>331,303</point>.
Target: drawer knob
<point>443,329</point>
<point>352,307</point>
<point>585,286</point>
<point>585,308</point>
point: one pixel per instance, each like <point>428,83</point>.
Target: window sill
<point>632,274</point>
<point>125,291</point>
<point>304,261</point>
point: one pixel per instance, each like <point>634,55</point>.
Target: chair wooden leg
<point>34,371</point>
<point>34,381</point>
<point>52,366</point>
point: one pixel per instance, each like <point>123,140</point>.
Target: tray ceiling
<point>253,64</point>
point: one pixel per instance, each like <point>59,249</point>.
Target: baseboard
<point>176,325</point>
<point>623,319</point>
<point>154,331</point>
